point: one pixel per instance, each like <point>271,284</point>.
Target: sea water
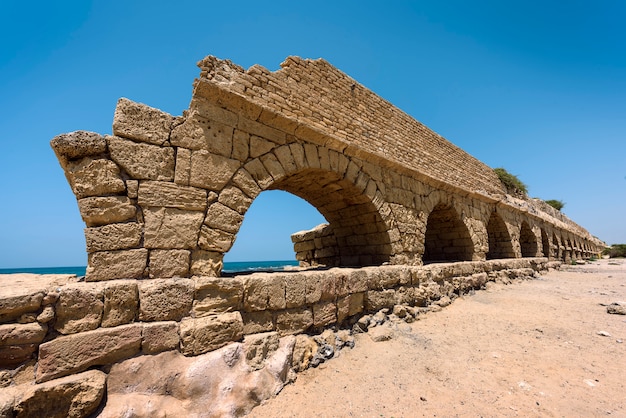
<point>229,268</point>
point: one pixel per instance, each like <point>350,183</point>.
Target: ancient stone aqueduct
<point>411,218</point>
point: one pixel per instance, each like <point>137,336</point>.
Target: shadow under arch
<point>356,234</point>
<point>500,245</point>
<point>528,241</point>
<point>447,237</point>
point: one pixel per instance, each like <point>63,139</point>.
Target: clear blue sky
<point>537,87</point>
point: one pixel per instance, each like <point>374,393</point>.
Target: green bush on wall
<point>615,250</point>
<point>512,184</point>
<point>556,204</point>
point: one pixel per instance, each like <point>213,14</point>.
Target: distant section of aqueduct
<point>165,196</point>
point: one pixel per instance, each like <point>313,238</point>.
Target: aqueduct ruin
<point>412,219</point>
<point>165,196</point>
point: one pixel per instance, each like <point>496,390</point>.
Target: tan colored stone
<point>182,172</point>
<point>295,290</point>
<point>142,161</point>
<point>246,183</point>
<point>159,336</point>
<point>132,188</point>
<point>293,321</point>
<point>169,263</point>
<point>303,351</point>
<point>324,314</point>
<point>123,264</point>
<point>18,342</point>
<point>260,146</point>
<point>171,195</point>
<point>95,177</point>
<point>97,211</point>
<point>376,300</point>
<point>264,291</point>
<point>121,303</point>
<point>261,130</point>
<point>46,315</point>
<point>211,171</point>
<point>19,300</point>
<point>73,396</point>
<point>113,237</point>
<point>201,335</point>
<point>79,308</point>
<point>255,322</point>
<point>78,144</point>
<point>235,199</point>
<point>171,228</point>
<point>77,352</point>
<point>165,299</point>
<point>258,173</point>
<point>349,306</point>
<point>215,239</point>
<point>210,111</point>
<point>320,286</point>
<point>223,218</point>
<point>216,294</point>
<point>140,122</point>
<point>259,347</point>
<point>206,263</point>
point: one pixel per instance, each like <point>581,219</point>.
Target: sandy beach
<point>545,347</point>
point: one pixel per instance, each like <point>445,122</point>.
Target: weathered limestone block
<point>255,322</point>
<point>165,299</point>
<point>142,161</point>
<point>113,237</point>
<point>121,303</point>
<point>258,173</point>
<point>223,218</point>
<point>20,301</point>
<point>260,146</point>
<point>171,195</point>
<point>132,188</point>
<point>211,171</point>
<point>379,279</point>
<point>376,300</point>
<point>259,347</point>
<point>324,314</point>
<point>95,177</point>
<point>235,199</point>
<point>215,239</point>
<point>77,352</point>
<point>295,290</point>
<point>140,122</point>
<point>320,286</point>
<point>264,291</point>
<point>216,294</point>
<point>350,281</point>
<point>261,130</point>
<point>159,336</point>
<point>208,134</point>
<point>78,144</point>
<point>122,264</point>
<point>293,321</point>
<point>210,111</point>
<point>69,397</point>
<point>169,263</point>
<point>206,263</point>
<point>79,308</point>
<point>201,335</point>
<point>182,171</point>
<point>243,180</point>
<point>349,306</point>
<point>97,211</point>
<point>18,342</point>
<point>303,351</point>
<point>169,228</point>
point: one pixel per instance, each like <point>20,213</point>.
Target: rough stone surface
<point>98,211</point>
<point>120,303</point>
<point>142,161</point>
<point>78,144</point>
<point>201,335</point>
<point>113,237</point>
<point>165,299</point>
<point>170,228</point>
<point>18,342</point>
<point>73,396</point>
<point>77,352</point>
<point>95,177</point>
<point>122,264</point>
<point>153,127</point>
<point>79,308</point>
<point>216,294</point>
<point>169,263</point>
<point>171,195</point>
<point>159,336</point>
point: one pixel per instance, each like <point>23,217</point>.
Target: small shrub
<point>556,204</point>
<point>511,183</point>
<point>615,250</point>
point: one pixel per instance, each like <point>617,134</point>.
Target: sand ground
<point>528,349</point>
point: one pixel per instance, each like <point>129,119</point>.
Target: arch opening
<point>528,241</point>
<point>500,245</point>
<point>356,234</point>
<point>447,238</point>
<point>545,244</point>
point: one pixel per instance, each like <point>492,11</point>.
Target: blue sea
<point>229,268</point>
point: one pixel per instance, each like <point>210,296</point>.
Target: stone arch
<point>358,232</point>
<point>447,238</point>
<point>500,245</point>
<point>557,246</point>
<point>528,241</point>
<point>545,244</point>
